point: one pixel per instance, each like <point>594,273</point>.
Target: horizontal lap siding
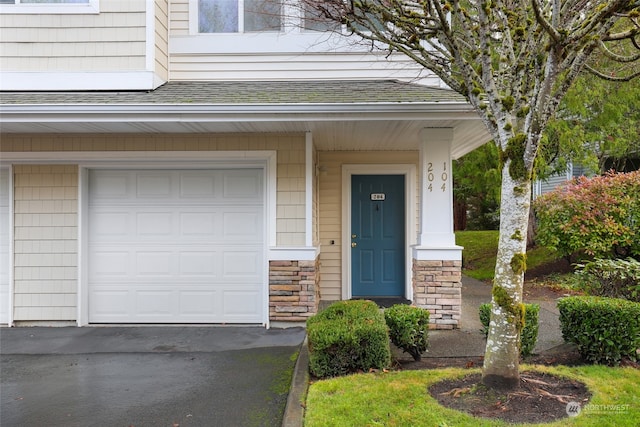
<point>295,66</point>
<point>113,40</point>
<point>179,18</point>
<point>330,198</point>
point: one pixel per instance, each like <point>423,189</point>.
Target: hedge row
<point>346,337</point>
<point>353,336</point>
<point>408,328</point>
<point>605,330</point>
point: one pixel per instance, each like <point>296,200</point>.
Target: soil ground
<point>540,397</point>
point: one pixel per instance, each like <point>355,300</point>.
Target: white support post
<point>436,196</point>
<point>437,260</point>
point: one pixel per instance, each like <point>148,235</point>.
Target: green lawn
<point>402,399</point>
<point>481,248</point>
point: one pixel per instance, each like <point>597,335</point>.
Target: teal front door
<point>377,235</point>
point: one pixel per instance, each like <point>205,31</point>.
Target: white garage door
<point>4,245</point>
<point>176,246</point>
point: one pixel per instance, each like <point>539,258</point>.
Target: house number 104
<point>431,176</point>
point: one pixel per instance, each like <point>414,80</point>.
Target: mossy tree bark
<point>502,353</point>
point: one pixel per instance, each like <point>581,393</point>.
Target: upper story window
<point>314,20</point>
<point>49,6</point>
<point>239,16</point>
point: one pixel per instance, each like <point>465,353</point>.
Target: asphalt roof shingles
<point>247,93</point>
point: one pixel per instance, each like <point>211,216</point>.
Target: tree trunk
<point>459,215</point>
<point>532,229</point>
<point>502,354</point>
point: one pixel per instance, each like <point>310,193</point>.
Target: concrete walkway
<point>468,341</point>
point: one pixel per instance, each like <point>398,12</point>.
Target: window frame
<point>194,20</point>
<point>91,7</point>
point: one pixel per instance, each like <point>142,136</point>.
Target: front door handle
<point>354,244</point>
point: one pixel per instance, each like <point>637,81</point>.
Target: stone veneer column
<point>437,287</point>
<point>294,293</point>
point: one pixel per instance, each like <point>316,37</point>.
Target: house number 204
<point>431,176</point>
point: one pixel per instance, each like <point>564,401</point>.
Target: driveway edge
<point>294,409</point>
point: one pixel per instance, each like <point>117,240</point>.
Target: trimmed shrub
<point>604,329</point>
<point>528,335</point>
<point>597,216</point>
<point>614,278</point>
<point>347,337</point>
<point>408,328</point>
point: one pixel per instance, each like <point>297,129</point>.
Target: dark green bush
<point>349,336</point>
<point>528,335</point>
<point>604,329</point>
<point>614,278</point>
<point>408,328</point>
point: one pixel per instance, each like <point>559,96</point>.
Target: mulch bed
<point>540,397</point>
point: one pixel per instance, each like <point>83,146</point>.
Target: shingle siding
<point>113,40</point>
<point>46,233</point>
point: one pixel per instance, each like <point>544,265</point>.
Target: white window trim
<point>409,172</point>
<point>92,7</point>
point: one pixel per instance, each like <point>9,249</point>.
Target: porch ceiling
<point>373,115</point>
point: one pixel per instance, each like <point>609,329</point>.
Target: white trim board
<point>74,81</point>
<point>90,8</point>
<point>409,171</point>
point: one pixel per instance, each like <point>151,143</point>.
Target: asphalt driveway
<point>146,376</point>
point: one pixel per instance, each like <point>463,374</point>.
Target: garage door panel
<point>110,225</point>
<point>109,263</point>
<point>158,264</point>
<point>242,184</point>
<point>155,304</point>
<point>242,265</point>
<point>241,225</point>
<point>240,303</point>
<point>129,224</point>
<point>110,303</point>
<point>197,186</point>
<point>176,248</point>
<point>153,185</point>
<point>198,224</point>
<point>199,264</point>
<point>111,185</point>
<point>159,224</point>
<point>198,303</point>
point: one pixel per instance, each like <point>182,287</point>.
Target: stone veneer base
<point>437,286</point>
<point>294,292</point>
